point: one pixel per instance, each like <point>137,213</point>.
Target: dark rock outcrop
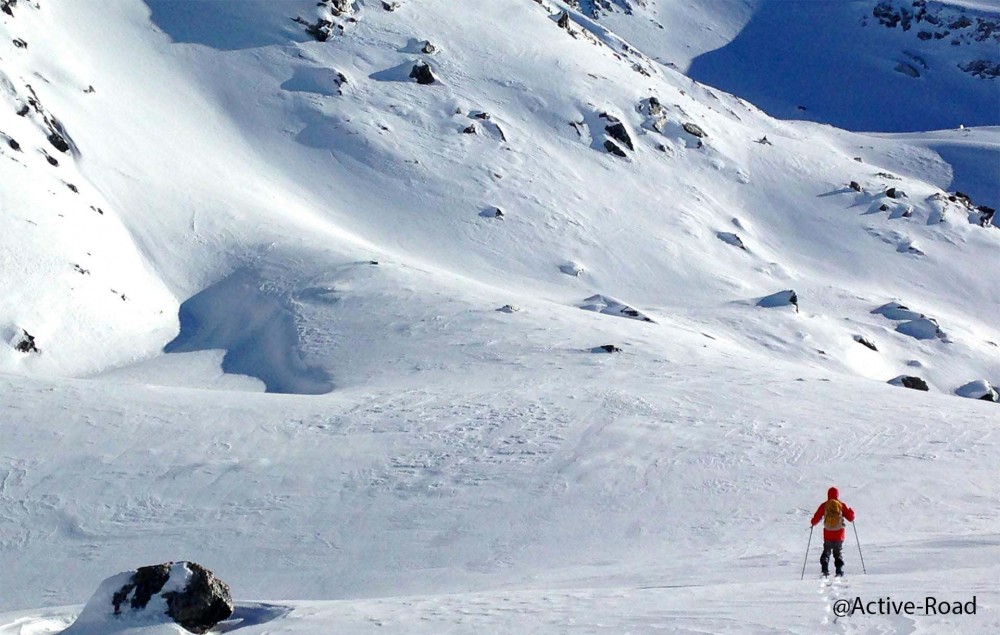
<point>694,130</point>
<point>202,602</point>
<point>27,343</point>
<point>864,341</point>
<point>909,381</point>
<point>423,74</point>
<point>613,148</point>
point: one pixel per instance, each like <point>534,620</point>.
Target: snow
<point>286,360</point>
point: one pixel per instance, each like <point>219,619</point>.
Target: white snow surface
<point>269,340</point>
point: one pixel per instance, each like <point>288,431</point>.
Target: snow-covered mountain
<point>368,299</point>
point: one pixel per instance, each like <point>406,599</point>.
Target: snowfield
<point>561,342</point>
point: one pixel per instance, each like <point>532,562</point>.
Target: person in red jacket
<point>833,513</point>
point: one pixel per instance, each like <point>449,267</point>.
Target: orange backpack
<point>833,517</point>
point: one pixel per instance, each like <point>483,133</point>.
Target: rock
<point>184,593</point>
<point>979,389</point>
<point>983,69</point>
<point>390,6</point>
<point>572,268</point>
<point>764,141</point>
<point>470,129</point>
<point>909,381</point>
<point>985,215</point>
<point>14,145</point>
<point>611,306</point>
<point>19,43</point>
<point>655,108</point>
<point>508,308</point>
<point>27,343</point>
<point>864,341</point>
<point>732,239</point>
<point>779,299</point>
<point>607,348</point>
<point>883,208</point>
<point>428,48</point>
<point>492,212</point>
<point>896,311</point>
<point>58,142</point>
<point>695,130</point>
<point>924,328</point>
<point>894,193</point>
<point>613,148</point>
<point>855,186</point>
<point>423,74</point>
<point>618,132</point>
<point>563,21</point>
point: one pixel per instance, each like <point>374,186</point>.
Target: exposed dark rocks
<point>51,159</point>
<point>390,6</point>
<point>855,186</point>
<point>98,210</point>
<point>983,69</point>
<point>58,142</point>
<point>19,43</point>
<point>613,148</point>
<point>563,21</point>
<point>780,299</point>
<point>428,48</point>
<point>26,344</point>
<point>14,145</point>
<point>80,270</point>
<point>986,215</point>
<point>655,107</point>
<point>7,6</point>
<point>23,111</point>
<point>610,306</point>
<point>73,188</point>
<point>203,602</point>
<point>909,381</point>
<point>694,130</point>
<point>508,308</point>
<point>883,208</point>
<point>616,130</point>
<point>764,141</point>
<point>895,193</point>
<point>423,74</point>
<point>470,129</point>
<point>864,341</point>
<point>979,389</point>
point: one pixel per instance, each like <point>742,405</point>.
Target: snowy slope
<point>302,217</point>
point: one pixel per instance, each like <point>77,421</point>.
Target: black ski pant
<point>835,547</point>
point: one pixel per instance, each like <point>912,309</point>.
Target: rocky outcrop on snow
<point>780,299</point>
<point>912,323</point>
<point>979,389</point>
<point>422,73</point>
<point>866,342</point>
<point>909,381</point>
<point>606,348</point>
<point>610,306</point>
<point>26,343</point>
<point>183,593</point>
<point>731,239</point>
<point>596,8</point>
<point>330,20</point>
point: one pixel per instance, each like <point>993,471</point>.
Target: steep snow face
<point>893,65</point>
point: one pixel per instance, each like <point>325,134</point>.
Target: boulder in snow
<point>979,389</point>
<point>607,348</point>
<point>180,593</point>
<point>423,74</point>
<point>26,344</point>
<point>909,381</point>
<point>864,341</point>
<point>611,306</point>
<point>695,130</point>
<point>779,299</point>
<point>732,239</point>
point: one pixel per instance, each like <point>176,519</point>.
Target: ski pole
<point>804,562</point>
<point>859,548</point>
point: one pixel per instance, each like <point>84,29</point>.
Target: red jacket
<point>833,534</point>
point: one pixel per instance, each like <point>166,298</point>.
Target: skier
<point>832,513</point>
